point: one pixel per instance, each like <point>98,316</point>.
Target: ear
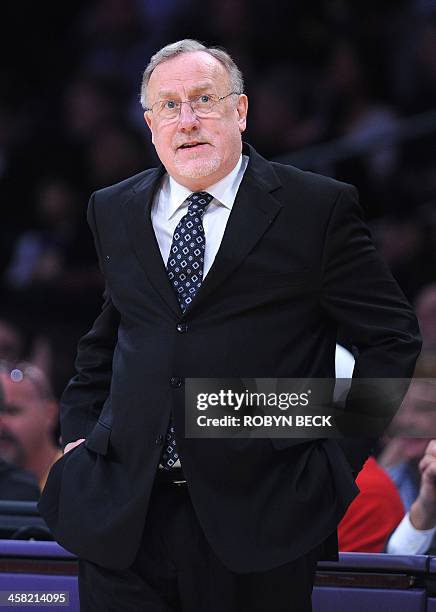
<point>242,110</point>
<point>148,121</point>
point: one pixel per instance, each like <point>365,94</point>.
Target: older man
<point>218,264</point>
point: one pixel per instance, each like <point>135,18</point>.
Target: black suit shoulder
<point>105,205</point>
<point>313,200</point>
<point>132,183</point>
<point>306,183</point>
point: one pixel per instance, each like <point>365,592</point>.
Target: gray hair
<point>190,46</point>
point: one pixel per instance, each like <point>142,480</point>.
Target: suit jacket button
<point>159,440</point>
<point>176,381</point>
<point>182,328</point>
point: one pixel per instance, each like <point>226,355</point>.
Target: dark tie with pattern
<point>185,271</point>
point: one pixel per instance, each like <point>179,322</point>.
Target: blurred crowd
<point>345,88</point>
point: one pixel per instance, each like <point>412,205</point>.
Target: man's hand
<point>423,509</point>
<point>71,445</point>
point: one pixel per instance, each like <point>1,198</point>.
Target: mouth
<point>192,145</point>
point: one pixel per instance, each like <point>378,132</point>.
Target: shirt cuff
<point>407,540</point>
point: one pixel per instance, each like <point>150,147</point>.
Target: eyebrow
<point>168,93</point>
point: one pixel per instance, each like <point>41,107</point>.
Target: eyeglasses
<point>200,105</point>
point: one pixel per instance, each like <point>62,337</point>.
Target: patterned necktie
<point>185,271</point>
<point>186,258</point>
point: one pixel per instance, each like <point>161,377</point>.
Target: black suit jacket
<point>295,262</point>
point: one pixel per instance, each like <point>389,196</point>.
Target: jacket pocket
<point>98,439</point>
<point>48,503</point>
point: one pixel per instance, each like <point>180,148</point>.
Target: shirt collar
<point>224,191</point>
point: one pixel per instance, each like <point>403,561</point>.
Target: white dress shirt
<point>407,540</point>
<point>170,205</point>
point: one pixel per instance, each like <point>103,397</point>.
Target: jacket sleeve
<point>361,296</point>
<point>85,394</point>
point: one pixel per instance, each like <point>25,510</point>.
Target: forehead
<point>188,71</point>
<point>421,398</point>
<point>23,392</point>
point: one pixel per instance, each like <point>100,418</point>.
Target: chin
<point>196,168</point>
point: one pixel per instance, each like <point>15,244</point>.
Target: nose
<point>188,120</point>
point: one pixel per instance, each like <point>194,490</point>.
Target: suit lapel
<point>139,226</point>
<point>253,211</point>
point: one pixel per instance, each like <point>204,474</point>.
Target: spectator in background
<point>374,514</point>
<point>28,419</point>
<point>376,520</point>
<point>411,463</point>
<point>377,510</point>
<point>15,484</point>
<point>413,427</point>
<point>23,340</point>
<point>416,534</point>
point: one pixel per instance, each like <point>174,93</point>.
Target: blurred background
<point>345,88</point>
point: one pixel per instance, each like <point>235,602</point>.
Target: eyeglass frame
<point>150,108</point>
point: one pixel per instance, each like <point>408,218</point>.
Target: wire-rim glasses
<point>200,105</point>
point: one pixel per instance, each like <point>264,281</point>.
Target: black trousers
<point>177,571</point>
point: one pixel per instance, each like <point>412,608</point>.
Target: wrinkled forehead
<point>187,74</point>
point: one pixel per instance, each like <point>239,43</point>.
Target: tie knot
<point>198,201</point>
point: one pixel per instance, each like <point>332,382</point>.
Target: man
<point>231,524</point>
<point>416,534</point>
<point>15,484</point>
<point>376,520</point>
<point>373,515</point>
<point>28,420</point>
<point>410,460</point>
